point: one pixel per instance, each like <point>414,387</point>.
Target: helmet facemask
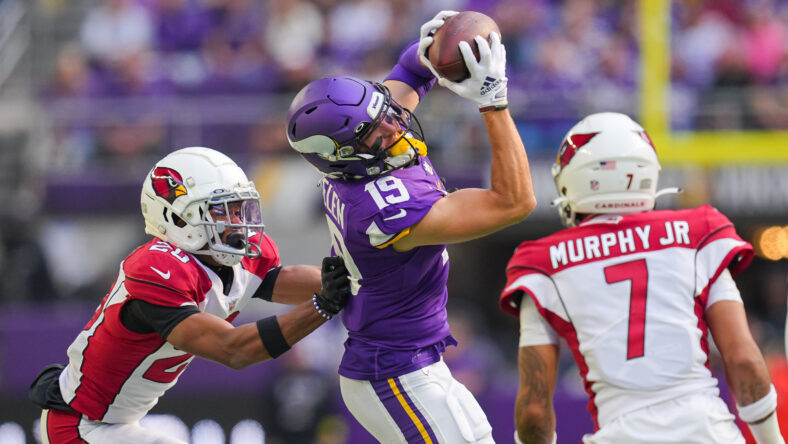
<point>239,212</point>
<point>367,144</point>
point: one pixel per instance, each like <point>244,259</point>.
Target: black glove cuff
<point>271,334</point>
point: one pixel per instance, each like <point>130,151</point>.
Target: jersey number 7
<point>637,273</point>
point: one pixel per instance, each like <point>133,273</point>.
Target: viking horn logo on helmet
<point>342,126</point>
<point>167,183</point>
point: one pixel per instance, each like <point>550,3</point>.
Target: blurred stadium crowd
<point>116,84</point>
<point>566,58</point>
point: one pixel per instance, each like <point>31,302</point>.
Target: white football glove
<point>487,84</point>
<point>425,36</point>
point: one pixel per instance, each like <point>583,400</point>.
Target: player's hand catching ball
<point>487,84</point>
<point>425,37</point>
<point>336,286</point>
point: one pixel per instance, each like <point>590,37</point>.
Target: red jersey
<point>115,375</point>
<point>628,294</point>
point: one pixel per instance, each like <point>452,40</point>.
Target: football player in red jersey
<point>174,299</point>
<point>634,292</point>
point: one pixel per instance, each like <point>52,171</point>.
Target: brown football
<point>444,53</point>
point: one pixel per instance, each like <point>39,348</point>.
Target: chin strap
<point>565,211</point>
<point>558,201</point>
<point>669,190</point>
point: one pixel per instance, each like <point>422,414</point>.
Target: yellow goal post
<point>705,148</point>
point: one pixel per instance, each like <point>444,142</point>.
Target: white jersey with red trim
<point>115,375</point>
<point>628,293</point>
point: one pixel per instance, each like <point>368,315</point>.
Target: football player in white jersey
<point>634,292</point>
<point>174,299</point>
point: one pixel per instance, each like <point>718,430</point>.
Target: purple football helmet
<point>351,128</point>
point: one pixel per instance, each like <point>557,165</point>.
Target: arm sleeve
<point>723,289</point>
<point>143,317</point>
<point>409,70</point>
<point>266,289</point>
<point>534,329</point>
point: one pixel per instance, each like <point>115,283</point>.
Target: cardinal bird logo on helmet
<point>167,183</point>
<point>571,145</point>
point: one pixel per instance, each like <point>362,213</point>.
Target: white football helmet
<point>606,164</point>
<point>181,191</point>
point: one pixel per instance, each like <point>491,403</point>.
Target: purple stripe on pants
<point>413,432</point>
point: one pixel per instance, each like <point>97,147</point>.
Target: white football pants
<point>70,427</point>
<point>693,419</point>
<point>424,406</point>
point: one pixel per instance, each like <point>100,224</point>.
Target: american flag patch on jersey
<point>611,165</point>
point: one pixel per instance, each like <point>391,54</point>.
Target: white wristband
<point>759,409</point>
<point>768,431</point>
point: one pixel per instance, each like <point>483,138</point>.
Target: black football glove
<point>336,285</point>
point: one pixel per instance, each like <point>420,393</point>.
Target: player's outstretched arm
<point>471,213</point>
<point>745,369</point>
<point>534,415</point>
<point>296,284</point>
<point>211,337</point>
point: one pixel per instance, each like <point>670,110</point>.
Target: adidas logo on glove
<point>490,83</point>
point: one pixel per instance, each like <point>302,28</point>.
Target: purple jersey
<point>396,318</point>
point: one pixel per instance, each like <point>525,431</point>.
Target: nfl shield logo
<point>594,185</point>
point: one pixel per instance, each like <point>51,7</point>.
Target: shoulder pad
<point>162,274</point>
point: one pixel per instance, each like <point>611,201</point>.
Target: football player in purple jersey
<point>390,218</point>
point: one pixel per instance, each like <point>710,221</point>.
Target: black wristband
<point>271,334</point>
